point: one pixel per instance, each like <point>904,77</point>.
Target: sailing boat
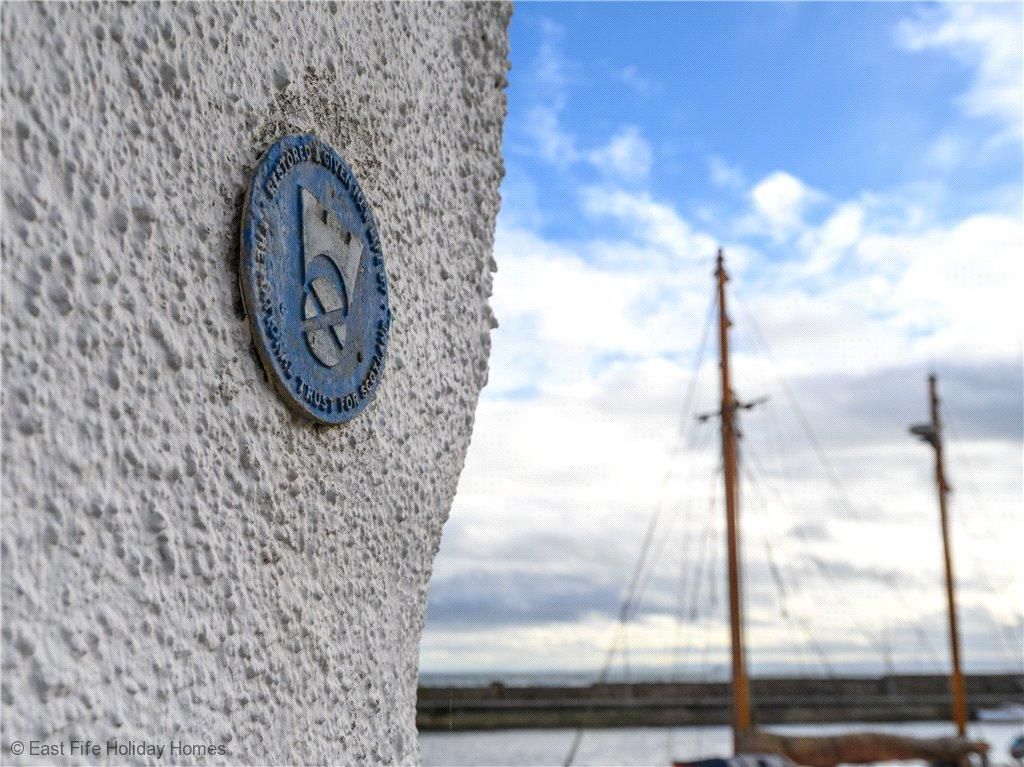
<point>749,742</point>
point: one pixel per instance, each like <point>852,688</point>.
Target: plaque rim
<point>251,217</point>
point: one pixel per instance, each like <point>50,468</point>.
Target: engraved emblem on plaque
<point>332,262</point>
<point>313,280</point>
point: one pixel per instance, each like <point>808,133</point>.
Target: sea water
<point>624,746</point>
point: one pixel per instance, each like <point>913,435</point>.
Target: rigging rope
<point>894,586</point>
<point>711,606</point>
<point>798,620</point>
<point>756,474</point>
<point>691,586</point>
<point>776,448</point>
<point>624,610</point>
<point>805,424</point>
<point>684,513</point>
<point>1006,634</point>
<point>684,430</point>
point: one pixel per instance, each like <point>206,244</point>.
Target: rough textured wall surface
<point>184,559</point>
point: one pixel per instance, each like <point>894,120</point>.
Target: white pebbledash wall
<point>182,558</point>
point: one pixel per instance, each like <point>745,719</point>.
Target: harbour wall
<point>775,699</point>
<point>184,559</point>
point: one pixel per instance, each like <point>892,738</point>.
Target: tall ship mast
<point>740,683</point>
<point>932,434</point>
<point>857,748</point>
<point>748,738</point>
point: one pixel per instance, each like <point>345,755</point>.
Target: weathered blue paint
<point>313,280</point>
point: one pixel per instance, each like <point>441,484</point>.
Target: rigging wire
<point>836,589</point>
<point>782,591</point>
<point>685,509</point>
<point>687,586</point>
<point>714,577</point>
<point>789,615</point>
<point>621,635</point>
<point>894,586</point>
<point>786,480</point>
<point>799,621</point>
<point>776,448</point>
<point>805,424</point>
<point>757,476</point>
<point>778,439</point>
<point>684,430</point>
<point>1007,638</point>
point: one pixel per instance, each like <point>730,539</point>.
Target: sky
<point>861,165</point>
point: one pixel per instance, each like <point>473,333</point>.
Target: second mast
<point>740,684</point>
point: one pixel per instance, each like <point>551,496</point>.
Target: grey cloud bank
<point>877,565</point>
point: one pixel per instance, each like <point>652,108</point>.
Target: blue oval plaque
<point>313,280</point>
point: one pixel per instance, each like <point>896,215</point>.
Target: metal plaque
<point>313,280</point>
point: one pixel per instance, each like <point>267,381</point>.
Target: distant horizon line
<point>668,674</point>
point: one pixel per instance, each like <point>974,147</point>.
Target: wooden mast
<point>873,747</point>
<point>957,677</point>
<point>740,685</point>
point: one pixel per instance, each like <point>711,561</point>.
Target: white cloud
<point>826,245</point>
<point>843,228</point>
<point>959,286</point>
<point>557,488</point>
<point>652,223</point>
<point>725,175</point>
<point>780,201</point>
<point>631,77</point>
<point>627,155</point>
<point>590,362</point>
<point>550,68</point>
<point>947,151</point>
<point>987,36</point>
<point>553,144</point>
<point>543,124</point>
<point>565,307</point>
<point>856,295</point>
